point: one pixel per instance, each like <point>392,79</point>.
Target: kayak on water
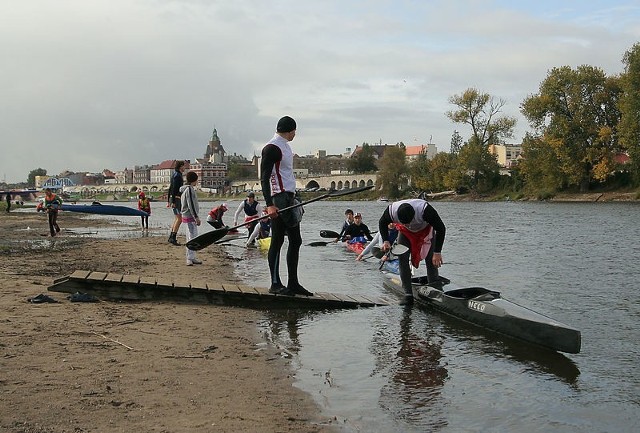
<point>356,247</point>
<point>357,244</point>
<point>264,243</point>
<point>489,310</point>
<point>103,209</point>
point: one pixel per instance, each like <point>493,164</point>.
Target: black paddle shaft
<point>208,238</point>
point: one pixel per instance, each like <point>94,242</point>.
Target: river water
<point>389,369</point>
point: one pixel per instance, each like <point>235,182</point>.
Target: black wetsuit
<point>283,224</point>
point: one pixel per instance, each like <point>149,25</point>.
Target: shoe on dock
<point>299,290</point>
<point>279,289</point>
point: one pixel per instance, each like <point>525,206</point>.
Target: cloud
<point>113,83</point>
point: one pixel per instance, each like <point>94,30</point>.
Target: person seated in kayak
<point>377,242</point>
<point>358,232</point>
<point>261,231</point>
<point>416,221</point>
<point>348,214</point>
<point>251,209</point>
<point>215,216</point>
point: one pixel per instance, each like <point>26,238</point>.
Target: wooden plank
<point>370,300</point>
<point>79,275</point>
<point>340,297</point>
<point>114,278</point>
<point>365,302</point>
<point>328,296</point>
<point>263,291</point>
<point>180,285</point>
<point>216,287</point>
<point>231,288</point>
<point>96,276</point>
<point>130,279</point>
<point>248,290</point>
<point>60,280</point>
<point>165,283</point>
<point>198,285</point>
<point>150,281</point>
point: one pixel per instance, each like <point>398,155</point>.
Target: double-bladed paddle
<point>329,234</point>
<point>206,239</point>
<point>319,243</point>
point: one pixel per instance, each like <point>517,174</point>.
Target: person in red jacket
<point>215,216</point>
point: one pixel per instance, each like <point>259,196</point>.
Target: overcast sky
<point>94,84</point>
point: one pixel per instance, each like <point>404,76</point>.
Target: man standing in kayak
<point>416,221</point>
<point>278,188</point>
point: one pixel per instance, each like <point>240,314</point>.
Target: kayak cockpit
<point>475,293</point>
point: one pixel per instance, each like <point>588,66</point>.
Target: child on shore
<point>144,204</point>
<point>190,210</point>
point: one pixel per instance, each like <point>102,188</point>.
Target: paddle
<point>334,235</point>
<point>329,234</point>
<point>319,243</point>
<point>206,239</point>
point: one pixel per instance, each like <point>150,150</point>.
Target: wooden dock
<point>133,287</point>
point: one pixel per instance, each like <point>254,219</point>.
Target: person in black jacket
<point>358,231</point>
<point>416,220</point>
<point>173,199</point>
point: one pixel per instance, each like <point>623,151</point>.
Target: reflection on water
<point>537,360</point>
<point>417,376</point>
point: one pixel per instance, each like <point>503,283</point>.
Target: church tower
<point>215,151</point>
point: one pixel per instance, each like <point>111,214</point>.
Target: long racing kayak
<point>487,309</point>
<point>103,209</point>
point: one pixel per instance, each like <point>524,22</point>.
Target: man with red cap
<point>215,216</point>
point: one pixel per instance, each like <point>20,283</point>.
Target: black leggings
<point>53,222</point>
<point>278,231</point>
<point>405,268</point>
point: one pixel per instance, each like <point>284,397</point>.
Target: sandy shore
<point>131,366</point>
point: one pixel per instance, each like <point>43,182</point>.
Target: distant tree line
<point>581,121</point>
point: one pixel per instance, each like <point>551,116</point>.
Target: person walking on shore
<point>279,187</point>
<point>8,199</point>
<point>52,204</point>
<point>174,202</point>
<point>144,204</point>
<point>189,211</point>
<point>416,220</point>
